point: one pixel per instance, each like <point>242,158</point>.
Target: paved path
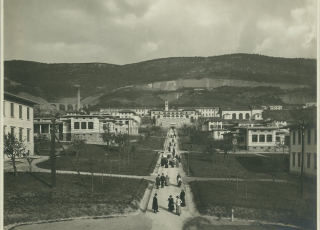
<point>140,220</point>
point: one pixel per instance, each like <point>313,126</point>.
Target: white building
<point>310,149</point>
<point>18,119</point>
<point>240,113</point>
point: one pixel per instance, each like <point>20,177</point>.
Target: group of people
<point>172,205</point>
<point>172,159</point>
<point>163,180</point>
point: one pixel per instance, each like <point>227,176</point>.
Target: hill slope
<point>57,80</point>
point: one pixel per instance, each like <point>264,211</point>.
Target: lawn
<point>140,162</point>
<point>267,201</point>
<point>29,197</point>
<point>200,223</point>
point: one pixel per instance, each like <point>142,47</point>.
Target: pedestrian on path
<point>158,181</point>
<point>178,177</point>
<point>179,182</point>
<point>162,179</point>
<point>167,180</point>
<point>178,206</point>
<point>182,197</point>
<point>171,203</point>
<point>155,204</point>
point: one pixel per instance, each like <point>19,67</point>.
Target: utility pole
<point>53,153</point>
<point>302,155</point>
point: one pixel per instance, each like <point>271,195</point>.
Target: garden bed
<point>29,197</point>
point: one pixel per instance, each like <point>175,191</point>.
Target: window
<point>83,125</point>
<point>315,136</point>
<point>315,161</point>
<point>28,135</point>
<point>254,138</point>
<point>299,138</point>
<point>247,116</point>
<point>293,159</point>
<point>309,136</point>
<point>20,134</point>
<point>277,139</point>
<point>12,130</point>
<point>90,125</point>
<point>308,160</point>
<point>4,130</point>
<point>293,137</point>
<point>4,108</point>
<point>262,138</point>
<point>299,160</point>
<point>28,113</point>
<point>20,111</point>
<point>234,116</point>
<point>11,109</point>
<point>269,138</point>
<point>241,116</point>
<point>76,125</point>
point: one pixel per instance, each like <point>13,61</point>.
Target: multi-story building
<point>240,113</point>
<point>18,119</point>
<point>308,136</point>
<point>204,111</point>
<point>275,107</point>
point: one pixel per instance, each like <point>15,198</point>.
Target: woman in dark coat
<point>182,197</point>
<point>158,181</point>
<point>155,203</point>
<point>170,204</point>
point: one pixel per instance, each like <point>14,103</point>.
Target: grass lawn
<point>274,202</point>
<point>29,197</point>
<point>204,165</point>
<point>200,223</point>
<point>141,162</point>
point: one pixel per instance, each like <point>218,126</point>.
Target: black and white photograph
<point>159,114</point>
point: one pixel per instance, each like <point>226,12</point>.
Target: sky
<point>130,31</point>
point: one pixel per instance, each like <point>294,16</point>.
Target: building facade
<point>309,137</point>
<point>18,119</point>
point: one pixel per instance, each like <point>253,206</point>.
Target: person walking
<point>158,181</point>
<point>178,206</point>
<point>162,179</point>
<point>178,176</point>
<point>171,203</point>
<point>182,197</point>
<point>155,204</point>
<point>167,180</point>
<point>179,182</point>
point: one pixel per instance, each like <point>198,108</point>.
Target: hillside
<point>54,82</point>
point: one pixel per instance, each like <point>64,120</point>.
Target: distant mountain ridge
<point>54,82</point>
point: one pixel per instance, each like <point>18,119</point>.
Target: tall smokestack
<point>79,98</point>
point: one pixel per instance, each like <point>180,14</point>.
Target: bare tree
<point>13,148</point>
<point>120,140</point>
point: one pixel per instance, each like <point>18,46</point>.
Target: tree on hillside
<point>13,148</point>
<point>78,143</point>
<point>107,136</point>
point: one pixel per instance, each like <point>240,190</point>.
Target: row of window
<point>84,125</point>
<point>262,138</point>
<point>299,134</point>
<point>12,107</point>
<point>308,160</point>
<point>234,116</point>
<point>21,132</point>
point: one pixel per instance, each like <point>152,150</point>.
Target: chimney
<point>79,106</point>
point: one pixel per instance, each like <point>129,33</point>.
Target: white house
<point>18,119</point>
